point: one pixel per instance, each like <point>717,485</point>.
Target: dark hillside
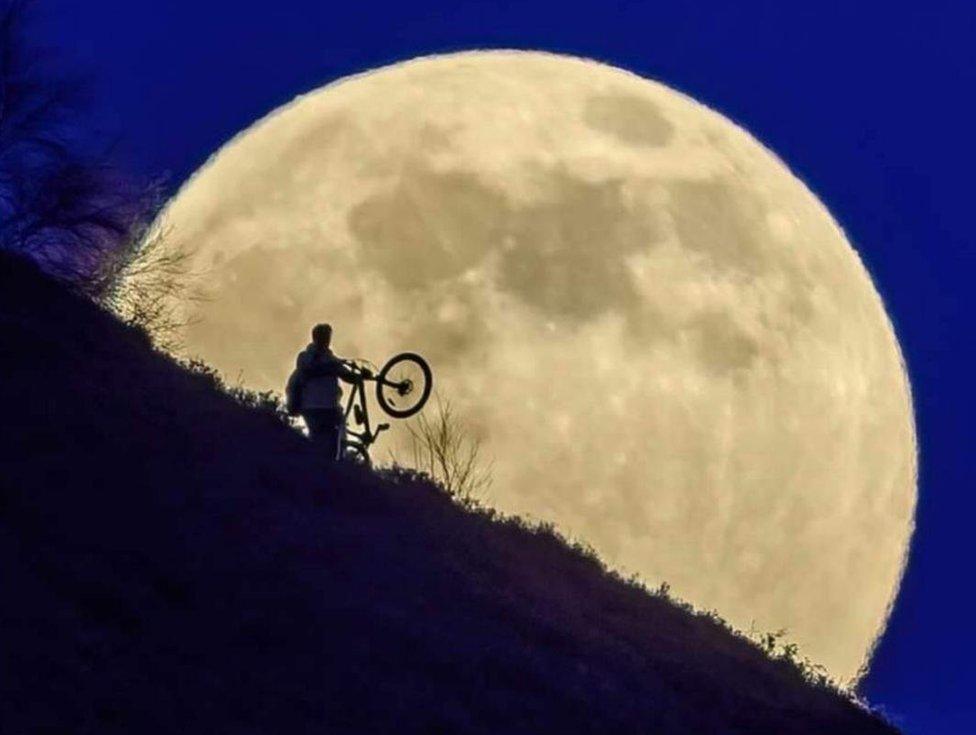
<point>172,562</point>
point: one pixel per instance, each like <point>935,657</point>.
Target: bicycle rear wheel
<point>404,384</point>
<point>356,454</point>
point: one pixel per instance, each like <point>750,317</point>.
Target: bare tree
<point>61,203</point>
<point>444,448</point>
<point>148,286</point>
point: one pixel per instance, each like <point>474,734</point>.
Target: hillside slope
<point>172,562</point>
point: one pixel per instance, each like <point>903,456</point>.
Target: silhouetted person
<point>313,390</point>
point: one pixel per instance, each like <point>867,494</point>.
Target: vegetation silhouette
<point>62,203</point>
<point>443,450</point>
<point>182,562</point>
<point>147,284</point>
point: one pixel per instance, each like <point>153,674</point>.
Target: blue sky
<point>870,103</point>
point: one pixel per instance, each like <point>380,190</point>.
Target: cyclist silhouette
<point>313,390</point>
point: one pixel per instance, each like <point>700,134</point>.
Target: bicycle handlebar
<point>361,369</point>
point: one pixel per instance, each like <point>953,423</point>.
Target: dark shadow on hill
<point>173,562</point>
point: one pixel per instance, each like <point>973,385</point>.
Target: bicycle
<point>403,386</point>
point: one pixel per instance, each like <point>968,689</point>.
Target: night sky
<point>872,106</point>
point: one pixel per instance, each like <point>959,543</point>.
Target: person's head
<point>322,335</point>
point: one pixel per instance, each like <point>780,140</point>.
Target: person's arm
<point>333,366</point>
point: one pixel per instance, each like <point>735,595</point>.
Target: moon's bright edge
<point>665,341</point>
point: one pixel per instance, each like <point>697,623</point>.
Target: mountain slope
<point>173,562</point>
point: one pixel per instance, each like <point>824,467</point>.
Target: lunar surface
<point>665,341</point>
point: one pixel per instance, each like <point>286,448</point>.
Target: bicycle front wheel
<point>404,384</point>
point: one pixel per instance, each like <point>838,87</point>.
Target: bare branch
<point>444,449</point>
<point>61,204</point>
<point>149,288</point>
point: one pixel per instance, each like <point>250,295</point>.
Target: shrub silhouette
<point>146,282</point>
<point>267,403</point>
<point>443,449</point>
<point>61,203</point>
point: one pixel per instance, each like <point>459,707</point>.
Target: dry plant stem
<point>150,282</point>
<point>442,448</point>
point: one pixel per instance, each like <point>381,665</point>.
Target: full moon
<point>665,342</point>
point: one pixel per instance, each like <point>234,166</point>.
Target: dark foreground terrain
<point>172,562</point>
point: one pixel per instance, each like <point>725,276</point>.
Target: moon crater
<point>629,118</point>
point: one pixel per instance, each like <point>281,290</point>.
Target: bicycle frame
<point>358,407</point>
